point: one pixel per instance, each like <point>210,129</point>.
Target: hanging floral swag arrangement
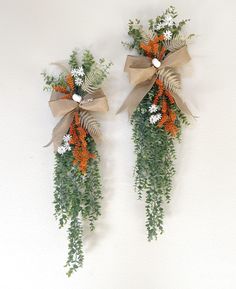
<point>156,109</point>
<point>75,94</point>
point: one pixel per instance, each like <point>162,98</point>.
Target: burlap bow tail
<point>66,108</point>
<point>143,74</point>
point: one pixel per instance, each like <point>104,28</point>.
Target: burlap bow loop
<point>143,74</point>
<point>65,108</point>
<point>92,102</point>
<point>139,69</point>
<point>61,107</point>
<point>97,102</point>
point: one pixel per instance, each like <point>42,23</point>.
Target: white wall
<point>197,250</point>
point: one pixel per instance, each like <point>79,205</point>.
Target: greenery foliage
<point>154,146</point>
<point>76,199</point>
<point>77,195</point>
<point>136,30</point>
<point>154,168</point>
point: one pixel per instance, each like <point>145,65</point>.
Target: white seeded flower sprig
<point>154,118</point>
<point>67,138</point>
<point>79,81</point>
<point>167,34</point>
<point>159,26</point>
<point>61,150</point>
<point>78,74</point>
<point>169,21</point>
<point>153,108</point>
<point>66,145</point>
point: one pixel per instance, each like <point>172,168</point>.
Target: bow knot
<point>65,108</point>
<point>142,72</point>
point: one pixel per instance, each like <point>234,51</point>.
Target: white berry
<point>156,62</point>
<point>77,97</point>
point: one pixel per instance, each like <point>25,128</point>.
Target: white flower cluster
<point>167,34</point>
<point>167,23</point>
<point>78,73</point>
<point>66,145</point>
<point>154,118</point>
<point>153,108</point>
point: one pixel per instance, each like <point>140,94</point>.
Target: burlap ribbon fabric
<point>143,75</point>
<point>65,108</point>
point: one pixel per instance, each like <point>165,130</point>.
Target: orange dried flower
<point>168,120</point>
<point>70,82</point>
<point>172,115</point>
<point>155,48</point>
<point>64,90</point>
<point>161,53</point>
<point>67,96</point>
<point>146,47</point>
<point>60,88</point>
<point>171,128</point>
<point>160,91</point>
<point>155,101</point>
<point>170,97</point>
<point>163,120</point>
<point>78,139</point>
<point>168,115</point>
<point>152,47</point>
<point>156,39</point>
<point>164,106</point>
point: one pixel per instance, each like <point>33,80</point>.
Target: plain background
<point>197,250</point>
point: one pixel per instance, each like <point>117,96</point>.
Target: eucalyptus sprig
<point>77,180</point>
<point>154,142</point>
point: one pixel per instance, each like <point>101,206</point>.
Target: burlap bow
<point>143,75</point>
<point>66,108</point>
